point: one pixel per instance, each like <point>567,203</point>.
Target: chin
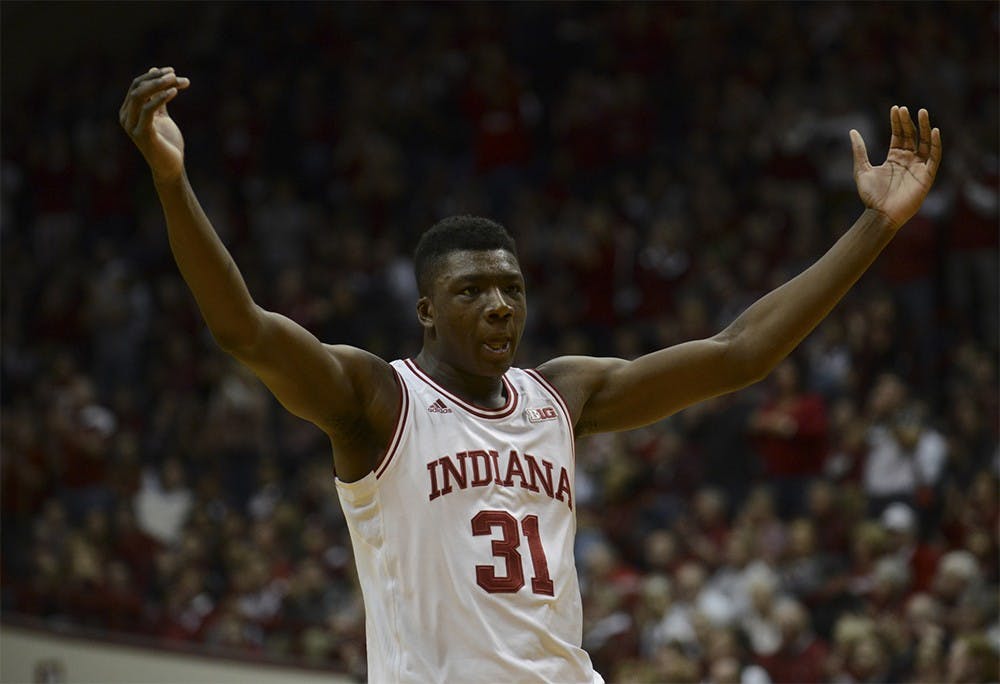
<point>492,369</point>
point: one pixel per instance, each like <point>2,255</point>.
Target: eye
<point>470,291</point>
<point>514,290</point>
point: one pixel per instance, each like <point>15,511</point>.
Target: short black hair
<point>453,234</point>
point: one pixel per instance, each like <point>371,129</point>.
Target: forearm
<point>206,265</point>
<point>774,325</point>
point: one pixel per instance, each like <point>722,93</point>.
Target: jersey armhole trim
<point>550,388</point>
<point>397,434</point>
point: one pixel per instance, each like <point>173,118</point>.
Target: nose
<point>497,306</point>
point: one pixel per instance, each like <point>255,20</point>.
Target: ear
<point>425,313</point>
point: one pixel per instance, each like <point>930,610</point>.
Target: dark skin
<point>473,317</point>
<point>473,314</point>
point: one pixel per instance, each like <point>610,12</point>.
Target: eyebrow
<point>489,275</point>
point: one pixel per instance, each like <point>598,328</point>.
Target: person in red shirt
<point>900,521</point>
<point>801,657</point>
<point>789,433</point>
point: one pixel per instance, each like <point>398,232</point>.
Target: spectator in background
<point>801,656</point>
<point>83,429</point>
<point>929,663</point>
<point>760,621</point>
<point>706,530</point>
<point>759,519</point>
<point>972,660</point>
<point>958,580</point>
<point>121,600</point>
<point>808,574</point>
<point>868,661</point>
<point>789,432</point>
<point>906,456</point>
<point>830,517</point>
<point>868,543</point>
<point>971,267</point>
<point>905,543</point>
<point>164,502</point>
<point>731,580</point>
<point>187,607</point>
<point>729,660</point>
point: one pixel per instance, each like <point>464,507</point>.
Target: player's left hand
<point>898,187</point>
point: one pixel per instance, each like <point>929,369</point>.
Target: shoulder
<point>362,367</point>
<point>577,369</point>
<point>577,379</point>
<point>372,379</point>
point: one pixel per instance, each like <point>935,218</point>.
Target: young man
<point>455,470</point>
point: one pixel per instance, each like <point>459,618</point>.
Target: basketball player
<point>455,469</point>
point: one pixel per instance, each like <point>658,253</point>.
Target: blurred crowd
<point>661,166</point>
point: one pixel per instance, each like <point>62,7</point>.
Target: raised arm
<point>348,393</point>
<point>613,394</point>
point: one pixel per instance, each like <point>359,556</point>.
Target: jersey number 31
<point>506,547</point>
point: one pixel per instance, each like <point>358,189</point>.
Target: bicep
<point>629,394</point>
<point>326,385</point>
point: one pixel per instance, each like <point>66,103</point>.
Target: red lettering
<point>513,466</point>
<point>432,469</point>
<point>564,487</point>
<point>535,473</point>
<point>496,466</point>
<point>449,470</point>
<point>541,583</point>
<point>505,547</point>
<point>480,479</point>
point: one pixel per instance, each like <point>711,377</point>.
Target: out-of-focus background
<point>661,166</point>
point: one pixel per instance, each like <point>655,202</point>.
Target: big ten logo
<point>537,415</point>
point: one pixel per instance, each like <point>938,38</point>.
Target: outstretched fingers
<point>924,123</point>
<point>929,148</point>
<point>861,162</point>
<point>909,131</point>
<point>934,158</point>
<point>896,126</point>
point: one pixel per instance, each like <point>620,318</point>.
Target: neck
<point>481,390</point>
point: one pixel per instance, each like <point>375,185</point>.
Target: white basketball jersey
<point>463,539</point>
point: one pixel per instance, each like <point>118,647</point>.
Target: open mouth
<point>498,346</point>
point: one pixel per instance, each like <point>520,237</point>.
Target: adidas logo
<point>438,407</point>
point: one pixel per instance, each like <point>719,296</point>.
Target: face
<point>474,314</point>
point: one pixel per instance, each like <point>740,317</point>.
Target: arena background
<point>661,165</point>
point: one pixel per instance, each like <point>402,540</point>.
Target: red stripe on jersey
<point>397,435</point>
<point>550,388</point>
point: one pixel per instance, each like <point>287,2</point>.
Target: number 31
<point>506,547</point>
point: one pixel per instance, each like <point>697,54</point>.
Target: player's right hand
<point>144,117</point>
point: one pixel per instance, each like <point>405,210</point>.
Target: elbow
<point>237,340</point>
<point>232,344</point>
<point>745,364</point>
<point>240,346</point>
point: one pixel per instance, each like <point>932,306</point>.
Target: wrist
<point>164,181</point>
<point>879,219</point>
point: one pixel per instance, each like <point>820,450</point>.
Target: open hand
<point>144,117</point>
<point>898,187</point>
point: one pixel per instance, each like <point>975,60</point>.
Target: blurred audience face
<point>886,397</point>
<point>660,550</point>
<point>724,671</point>
<point>792,621</point>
